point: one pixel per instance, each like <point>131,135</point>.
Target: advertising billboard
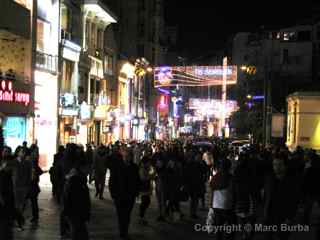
<point>168,76</point>
<point>213,106</point>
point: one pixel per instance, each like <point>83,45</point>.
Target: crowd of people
<point>19,183</point>
<point>266,184</point>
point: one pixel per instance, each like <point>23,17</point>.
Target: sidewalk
<point>103,224</point>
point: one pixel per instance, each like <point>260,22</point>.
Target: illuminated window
<point>66,21</point>
<point>43,35</point>
<point>93,36</point>
<point>100,41</point>
<point>108,64</point>
<point>25,3</point>
<point>67,71</point>
<point>88,32</point>
<point>286,36</point>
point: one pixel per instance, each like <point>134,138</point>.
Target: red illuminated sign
<point>8,94</point>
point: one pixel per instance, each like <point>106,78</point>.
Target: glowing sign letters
<point>8,94</point>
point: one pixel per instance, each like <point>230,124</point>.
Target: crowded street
<point>159,120</point>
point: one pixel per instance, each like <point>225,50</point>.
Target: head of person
<point>21,153</point>
<point>6,152</point>
<point>279,167</point>
<point>61,149</point>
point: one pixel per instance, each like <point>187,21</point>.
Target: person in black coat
<point>194,176</point>
<point>7,201</point>
<point>35,179</point>
<point>56,173</point>
<point>282,192</point>
<point>76,198</point>
<point>123,186</point>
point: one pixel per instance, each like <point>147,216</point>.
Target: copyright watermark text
<point>257,227</point>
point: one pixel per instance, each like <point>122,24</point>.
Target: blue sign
<point>258,97</point>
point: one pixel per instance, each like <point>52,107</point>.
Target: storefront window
<point>14,131</point>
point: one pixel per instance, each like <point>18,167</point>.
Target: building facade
<point>16,77</point>
<point>282,60</point>
<point>46,76</point>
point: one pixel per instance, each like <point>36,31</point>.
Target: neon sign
<point>8,94</point>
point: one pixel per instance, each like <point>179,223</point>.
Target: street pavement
<point>103,224</point>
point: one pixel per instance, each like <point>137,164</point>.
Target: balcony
<point>47,62</point>
<point>66,35</point>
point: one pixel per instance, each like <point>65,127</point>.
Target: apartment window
<point>285,56</point>
<point>66,80</point>
<point>66,21</point>
<point>99,42</point>
<point>43,35</point>
<point>88,31</point>
<point>93,36</point>
<point>108,64</point>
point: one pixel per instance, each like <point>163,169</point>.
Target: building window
<point>99,42</point>
<point>108,64</point>
<point>88,32</point>
<point>66,22</point>
<point>67,70</point>
<point>93,33</point>
<point>285,56</point>
<point>43,35</point>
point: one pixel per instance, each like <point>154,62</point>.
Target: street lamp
<point>142,67</point>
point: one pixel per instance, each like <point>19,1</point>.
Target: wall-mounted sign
<point>10,95</point>
<point>68,112</point>
<point>85,111</point>
<point>68,100</point>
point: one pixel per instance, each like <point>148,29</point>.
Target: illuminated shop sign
<point>168,76</point>
<point>85,111</point>
<point>9,95</point>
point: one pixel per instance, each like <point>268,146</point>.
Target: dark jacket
<point>124,178</point>
<point>194,178</point>
<point>282,197</point>
<point>7,208</point>
<point>35,188</point>
<point>76,197</point>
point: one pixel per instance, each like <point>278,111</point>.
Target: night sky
<point>205,25</point>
